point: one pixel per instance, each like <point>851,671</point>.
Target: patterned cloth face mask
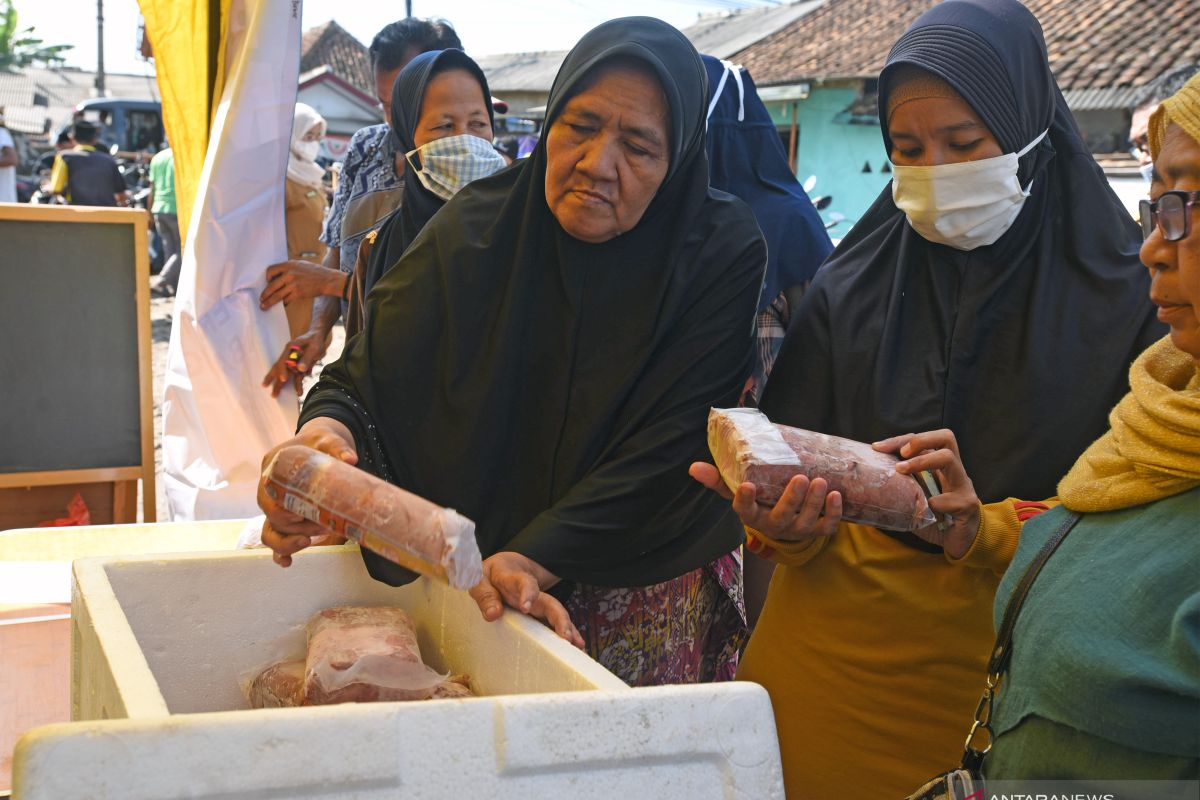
<point>446,165</point>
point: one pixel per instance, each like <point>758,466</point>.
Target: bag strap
<point>1002,650</point>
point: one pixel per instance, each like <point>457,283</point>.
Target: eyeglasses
<point>1171,212</point>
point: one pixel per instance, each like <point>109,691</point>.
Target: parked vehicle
<point>134,126</point>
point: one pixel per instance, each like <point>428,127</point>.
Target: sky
<point>485,26</point>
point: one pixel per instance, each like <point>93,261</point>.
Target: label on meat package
<point>301,507</point>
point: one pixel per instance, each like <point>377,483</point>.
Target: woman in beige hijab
<point>305,203</point>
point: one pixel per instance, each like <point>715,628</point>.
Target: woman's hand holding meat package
<point>287,533</point>
<point>806,509</point>
<point>958,505</point>
<point>521,583</point>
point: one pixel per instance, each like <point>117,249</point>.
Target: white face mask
<point>966,205</point>
<point>1147,171</point>
<point>307,150</point>
<point>446,165</point>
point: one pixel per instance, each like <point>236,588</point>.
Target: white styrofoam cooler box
<point>160,643</point>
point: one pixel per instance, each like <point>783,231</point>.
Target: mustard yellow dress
<point>875,653</point>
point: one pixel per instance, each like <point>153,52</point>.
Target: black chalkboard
<point>69,361</point>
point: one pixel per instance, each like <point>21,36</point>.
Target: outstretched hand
<point>299,280</point>
<point>805,510</point>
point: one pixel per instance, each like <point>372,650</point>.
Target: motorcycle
<point>822,202</point>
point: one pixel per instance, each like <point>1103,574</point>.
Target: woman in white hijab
<point>305,203</point>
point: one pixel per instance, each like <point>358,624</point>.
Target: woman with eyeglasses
<point>1104,681</point>
<point>992,296</point>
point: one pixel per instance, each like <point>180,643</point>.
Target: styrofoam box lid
<point>662,743</point>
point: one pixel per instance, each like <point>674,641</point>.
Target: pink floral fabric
<point>687,630</point>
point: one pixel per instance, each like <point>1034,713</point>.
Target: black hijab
<point>555,391</point>
<point>1021,347</point>
<point>418,204</point>
<point>746,159</point>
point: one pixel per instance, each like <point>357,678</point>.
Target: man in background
<point>166,221</point>
<point>1146,104</point>
<point>8,164</point>
<point>63,142</point>
<point>85,176</point>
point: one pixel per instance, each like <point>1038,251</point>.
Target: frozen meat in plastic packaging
<point>363,653</point>
<point>747,446</point>
<point>398,525</point>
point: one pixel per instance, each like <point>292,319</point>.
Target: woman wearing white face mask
<point>304,202</point>
<point>994,291</point>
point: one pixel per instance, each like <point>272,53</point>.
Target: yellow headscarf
<point>1152,449</point>
<point>1181,108</point>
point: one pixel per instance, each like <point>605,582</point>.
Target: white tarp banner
<point>218,421</point>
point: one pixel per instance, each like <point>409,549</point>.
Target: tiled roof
<point>521,72</point>
<point>331,45</point>
<point>724,33</point>
<point>719,34</point>
<point>1109,45</point>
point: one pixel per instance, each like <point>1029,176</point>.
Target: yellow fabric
<point>875,655</point>
<point>190,80</point>
<point>1181,108</point>
<point>60,171</point>
<point>1152,448</point>
<point>58,176</point>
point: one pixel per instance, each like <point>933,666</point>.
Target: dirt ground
<point>160,335</point>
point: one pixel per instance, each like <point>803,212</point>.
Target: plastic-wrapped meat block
<point>362,654</point>
<point>278,686</point>
<point>747,446</point>
<point>398,525</point>
<point>456,686</point>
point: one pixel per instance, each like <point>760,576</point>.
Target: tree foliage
<point>20,48</point>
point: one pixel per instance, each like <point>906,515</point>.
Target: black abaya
<point>555,391</point>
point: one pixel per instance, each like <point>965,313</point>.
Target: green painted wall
<point>835,152</point>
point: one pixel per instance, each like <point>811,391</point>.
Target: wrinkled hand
<point>299,280</point>
<point>521,583</point>
<point>957,505</point>
<point>287,533</point>
<point>312,345</point>
<point>805,510</point>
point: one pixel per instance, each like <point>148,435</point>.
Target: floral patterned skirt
<point>686,630</point>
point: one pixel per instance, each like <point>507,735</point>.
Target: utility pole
<point>408,8</point>
<point>100,48</point>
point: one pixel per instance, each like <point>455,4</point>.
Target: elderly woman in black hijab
<point>992,290</point>
<point>543,358</point>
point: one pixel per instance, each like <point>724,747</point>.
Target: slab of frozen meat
<point>398,525</point>
<point>278,686</point>
<point>361,654</point>
<point>747,446</point>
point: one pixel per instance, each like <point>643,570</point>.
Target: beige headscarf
<point>1181,108</point>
